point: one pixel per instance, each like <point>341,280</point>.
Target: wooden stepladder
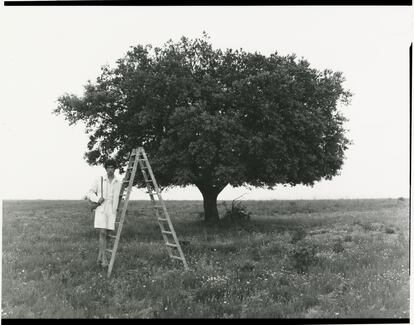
<point>163,218</point>
<point>139,157</point>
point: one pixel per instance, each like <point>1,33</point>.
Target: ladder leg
<point>129,179</point>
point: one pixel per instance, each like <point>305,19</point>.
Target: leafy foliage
<point>211,117</point>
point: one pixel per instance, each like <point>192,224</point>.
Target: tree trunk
<point>210,207</point>
<point>210,194</point>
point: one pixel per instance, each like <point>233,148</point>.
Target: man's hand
<point>101,199</point>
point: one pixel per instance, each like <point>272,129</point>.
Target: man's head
<point>110,166</point>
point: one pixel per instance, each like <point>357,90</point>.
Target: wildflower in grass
<point>219,279</point>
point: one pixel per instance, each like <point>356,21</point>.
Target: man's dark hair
<point>110,163</point>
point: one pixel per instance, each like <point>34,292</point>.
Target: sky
<point>49,51</point>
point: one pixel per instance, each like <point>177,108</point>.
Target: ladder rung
<point>148,181</point>
<point>166,232</point>
<point>177,257</point>
<point>152,193</point>
<point>112,236</point>
<point>171,245</point>
<point>158,206</point>
<point>161,219</point>
<point>109,250</point>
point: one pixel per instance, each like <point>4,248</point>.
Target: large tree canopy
<point>211,118</point>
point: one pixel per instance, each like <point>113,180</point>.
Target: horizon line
<point>201,200</point>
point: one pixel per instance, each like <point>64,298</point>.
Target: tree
<point>211,118</point>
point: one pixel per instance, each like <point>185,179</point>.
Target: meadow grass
<point>294,259</point>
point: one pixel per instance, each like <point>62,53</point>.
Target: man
<point>105,192</point>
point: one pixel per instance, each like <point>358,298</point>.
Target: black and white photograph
<point>206,162</point>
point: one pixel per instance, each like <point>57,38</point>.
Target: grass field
<point>294,259</point>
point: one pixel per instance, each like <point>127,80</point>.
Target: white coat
<point>105,214</point>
